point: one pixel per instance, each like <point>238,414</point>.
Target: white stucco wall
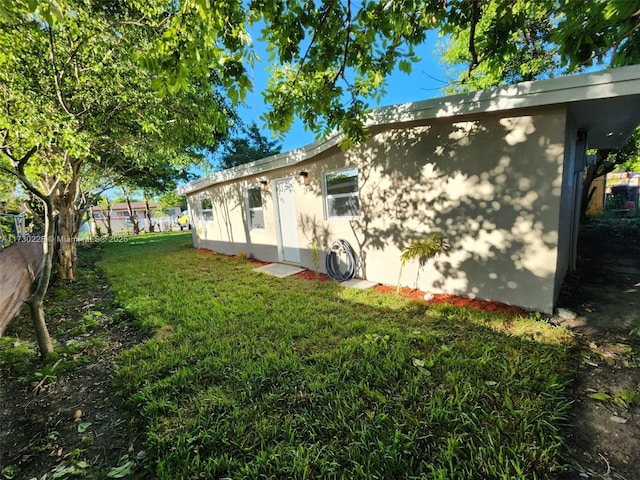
<point>490,184</point>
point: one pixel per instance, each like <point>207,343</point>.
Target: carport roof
<point>606,103</point>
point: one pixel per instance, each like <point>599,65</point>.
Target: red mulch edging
<point>456,301</point>
<point>259,262</point>
<point>311,275</point>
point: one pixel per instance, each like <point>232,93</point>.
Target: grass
<point>251,376</point>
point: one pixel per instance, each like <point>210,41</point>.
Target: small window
<point>206,209</point>
<point>341,194</point>
<point>256,214</point>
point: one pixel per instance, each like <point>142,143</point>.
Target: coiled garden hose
<point>332,261</point>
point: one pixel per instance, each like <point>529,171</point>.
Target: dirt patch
<point>604,292</point>
<point>63,418</point>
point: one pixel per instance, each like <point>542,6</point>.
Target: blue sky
<point>425,82</point>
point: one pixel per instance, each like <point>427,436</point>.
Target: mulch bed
<point>310,275</point>
<point>456,301</point>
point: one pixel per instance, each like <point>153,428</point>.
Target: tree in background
<point>496,44</point>
<point>170,200</point>
<point>106,209</point>
<point>607,161</point>
<point>252,146</point>
<point>632,163</point>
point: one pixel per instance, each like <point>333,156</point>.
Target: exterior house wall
<point>491,184</point>
<point>572,180</point>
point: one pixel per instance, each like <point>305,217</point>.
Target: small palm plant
<point>424,250</point>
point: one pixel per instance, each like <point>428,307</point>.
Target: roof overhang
<point>605,103</point>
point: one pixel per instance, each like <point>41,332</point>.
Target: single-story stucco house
<point>498,173</point>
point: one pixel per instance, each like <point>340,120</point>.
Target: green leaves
<point>529,39</point>
<point>591,30</point>
<point>329,58</point>
<point>252,146</point>
<point>83,427</point>
<point>123,470</point>
<point>600,396</point>
<point>625,398</point>
<point>424,249</point>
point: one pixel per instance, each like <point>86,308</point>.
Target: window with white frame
<point>341,194</point>
<point>206,208</point>
<point>256,214</point>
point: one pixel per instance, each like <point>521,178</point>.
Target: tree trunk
<point>36,299</point>
<point>65,204</point>
<point>98,230</point>
<point>107,217</point>
<point>132,217</point>
<point>67,253</point>
<point>590,175</point>
<point>594,171</point>
<point>36,305</point>
<point>147,215</point>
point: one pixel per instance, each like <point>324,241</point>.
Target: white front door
<point>288,220</point>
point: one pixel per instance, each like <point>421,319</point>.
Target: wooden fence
<point>20,265</point>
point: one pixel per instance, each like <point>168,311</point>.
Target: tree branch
<point>313,39</point>
<point>56,78</point>
<point>475,18</point>
<point>343,66</point>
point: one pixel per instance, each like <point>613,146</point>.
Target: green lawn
<point>250,376</point>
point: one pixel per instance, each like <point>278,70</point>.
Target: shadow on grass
<point>255,376</point>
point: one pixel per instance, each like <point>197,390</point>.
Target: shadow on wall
<point>491,188</point>
<point>229,203</point>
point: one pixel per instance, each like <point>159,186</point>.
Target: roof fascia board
<point>605,84</point>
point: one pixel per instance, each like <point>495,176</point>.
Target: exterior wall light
<point>265,185</point>
<point>304,178</point>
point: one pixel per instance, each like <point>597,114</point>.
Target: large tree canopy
<point>78,107</point>
<point>330,58</point>
<point>77,104</point>
<point>500,42</point>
